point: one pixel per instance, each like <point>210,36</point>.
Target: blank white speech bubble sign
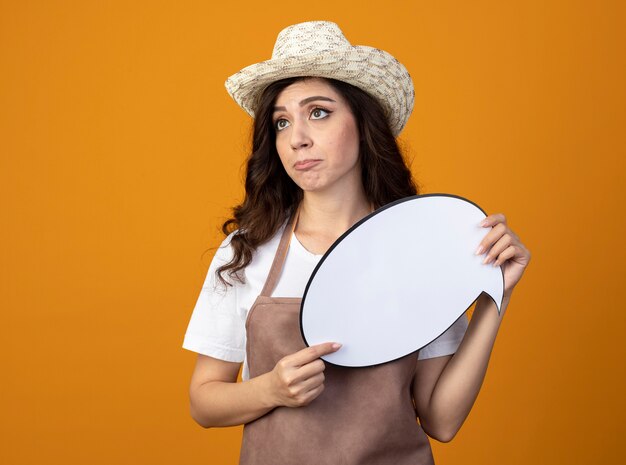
<point>398,279</point>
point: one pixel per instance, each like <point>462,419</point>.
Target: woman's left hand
<point>504,248</point>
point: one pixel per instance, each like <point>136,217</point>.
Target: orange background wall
<point>121,153</point>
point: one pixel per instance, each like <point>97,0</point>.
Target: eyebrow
<point>308,100</point>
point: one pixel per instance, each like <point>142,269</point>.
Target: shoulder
<point>225,252</point>
<point>257,270</point>
<point>262,256</point>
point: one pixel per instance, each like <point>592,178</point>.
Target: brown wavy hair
<point>271,197</point>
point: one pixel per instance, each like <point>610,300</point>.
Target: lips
<point>306,164</point>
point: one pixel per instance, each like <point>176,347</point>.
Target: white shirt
<point>217,325</point>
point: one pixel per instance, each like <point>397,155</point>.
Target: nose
<point>300,137</point>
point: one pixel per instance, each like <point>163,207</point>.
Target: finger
<point>497,248</point>
<point>507,254</point>
<point>492,220</point>
<point>312,395</point>
<point>300,397</point>
<point>490,238</point>
<point>311,383</point>
<point>307,371</point>
<point>297,391</point>
<point>309,354</point>
<point>313,368</point>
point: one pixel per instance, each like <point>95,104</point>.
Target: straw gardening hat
<point>319,49</point>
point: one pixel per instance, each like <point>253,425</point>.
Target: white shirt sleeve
<point>217,328</point>
<point>448,342</point>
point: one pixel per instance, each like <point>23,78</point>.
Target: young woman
<point>324,156</point>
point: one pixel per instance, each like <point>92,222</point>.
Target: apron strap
<point>281,254</point>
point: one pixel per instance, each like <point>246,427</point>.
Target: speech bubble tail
<point>496,291</point>
<point>495,300</point>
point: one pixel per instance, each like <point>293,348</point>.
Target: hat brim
<point>372,70</point>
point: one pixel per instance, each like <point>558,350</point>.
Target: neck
<point>331,215</point>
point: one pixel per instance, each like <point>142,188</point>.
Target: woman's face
<point>317,137</point>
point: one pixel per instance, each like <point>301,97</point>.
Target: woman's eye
<point>319,113</point>
<point>281,124</point>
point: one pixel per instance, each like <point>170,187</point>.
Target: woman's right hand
<point>298,378</point>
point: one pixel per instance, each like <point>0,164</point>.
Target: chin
<point>311,186</point>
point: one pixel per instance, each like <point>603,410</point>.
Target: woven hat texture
<point>319,49</point>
